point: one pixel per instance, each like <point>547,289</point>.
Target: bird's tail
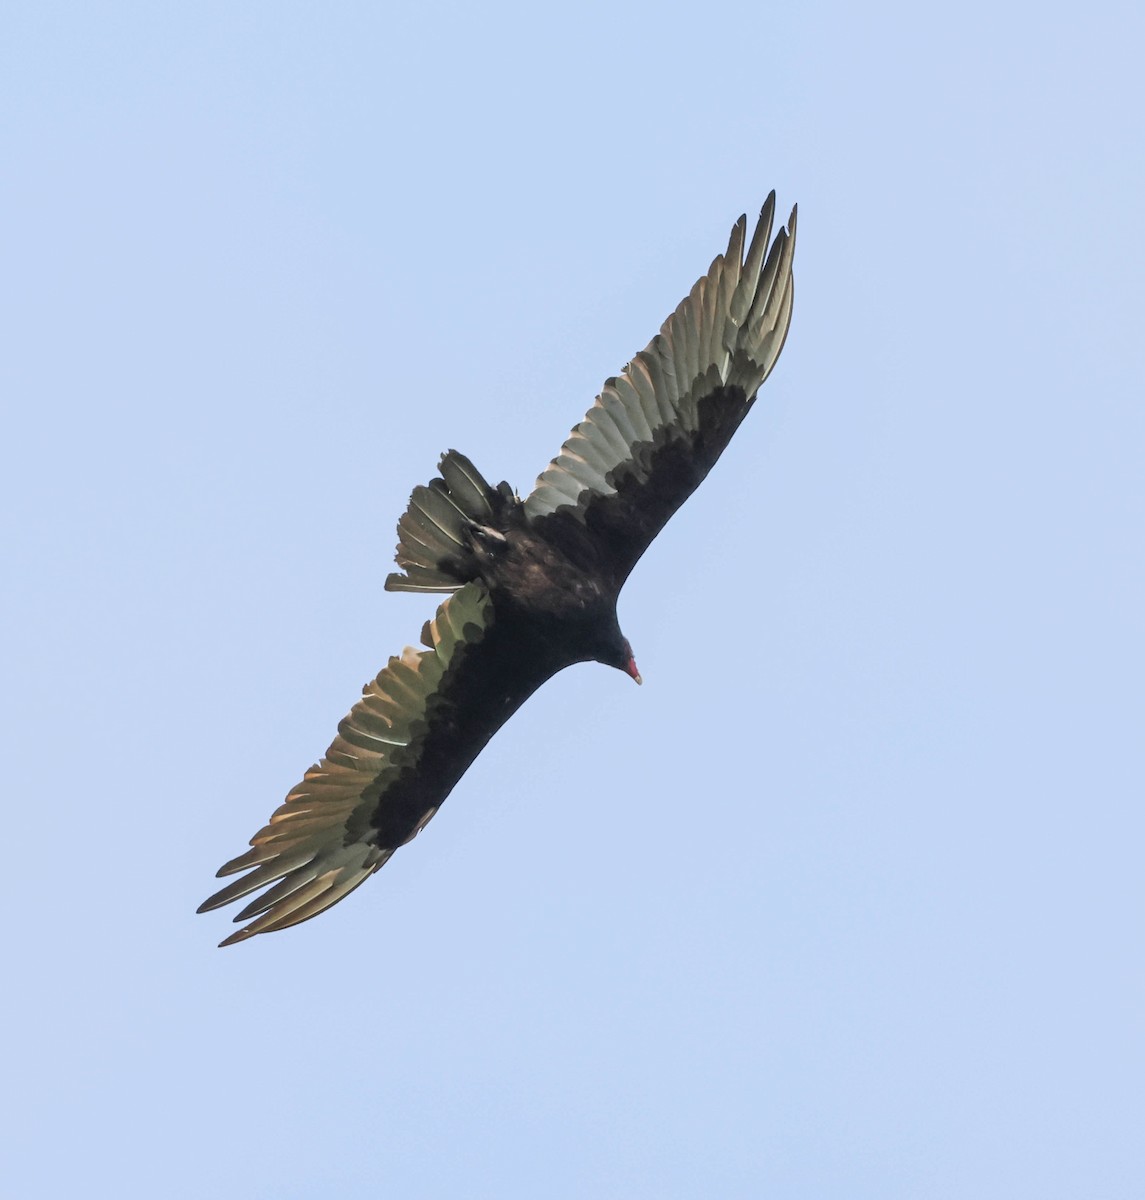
<point>435,535</point>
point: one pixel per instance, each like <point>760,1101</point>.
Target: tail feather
<point>433,534</point>
<point>465,485</point>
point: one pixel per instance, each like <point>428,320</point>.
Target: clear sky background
<point>846,901</point>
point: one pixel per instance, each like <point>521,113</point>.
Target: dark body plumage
<point>533,584</point>
<point>547,614</point>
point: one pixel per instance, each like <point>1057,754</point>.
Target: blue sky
<point>847,899</point>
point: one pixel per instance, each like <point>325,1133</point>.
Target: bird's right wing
<point>656,430</point>
<point>416,729</point>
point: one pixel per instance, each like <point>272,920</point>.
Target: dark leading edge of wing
<point>656,430</point>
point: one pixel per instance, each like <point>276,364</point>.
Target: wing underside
<point>333,830</point>
<point>655,430</point>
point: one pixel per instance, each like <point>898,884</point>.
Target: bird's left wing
<point>372,791</point>
<point>656,430</point>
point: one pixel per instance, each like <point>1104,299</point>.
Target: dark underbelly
<point>490,682</point>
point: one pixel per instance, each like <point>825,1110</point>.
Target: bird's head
<point>617,652</point>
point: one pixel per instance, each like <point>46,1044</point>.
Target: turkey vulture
<point>533,585</point>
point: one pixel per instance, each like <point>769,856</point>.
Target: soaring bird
<point>532,585</point>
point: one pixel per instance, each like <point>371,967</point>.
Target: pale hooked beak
<point>631,669</point>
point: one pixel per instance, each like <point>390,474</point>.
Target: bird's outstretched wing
<point>656,430</point>
<point>398,753</point>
